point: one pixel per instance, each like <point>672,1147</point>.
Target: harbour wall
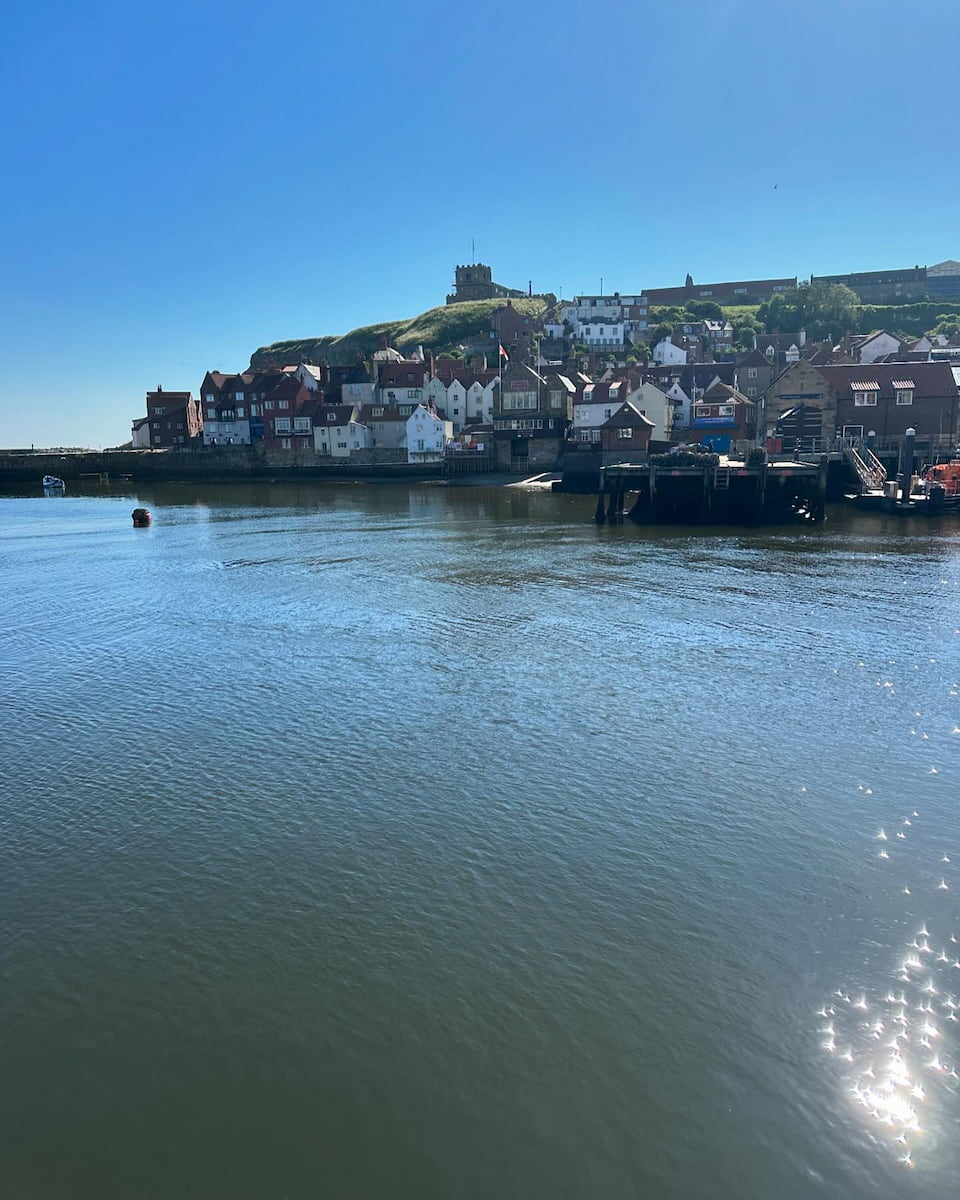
<point>228,464</point>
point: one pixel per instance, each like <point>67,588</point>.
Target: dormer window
<point>905,395</point>
<point>865,400</point>
<point>331,416</point>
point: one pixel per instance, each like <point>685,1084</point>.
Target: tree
<point>746,335</point>
<point>704,310</point>
<point>821,309</point>
<point>661,332</point>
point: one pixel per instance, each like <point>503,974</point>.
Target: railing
<point>870,470</point>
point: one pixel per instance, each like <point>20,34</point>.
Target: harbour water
<point>402,841</point>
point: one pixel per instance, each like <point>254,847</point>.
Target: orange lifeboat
<point>947,475</point>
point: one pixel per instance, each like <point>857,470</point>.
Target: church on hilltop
<point>475,282</point>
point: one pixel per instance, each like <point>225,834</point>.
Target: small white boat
<point>52,483</point>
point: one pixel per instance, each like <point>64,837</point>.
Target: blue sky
<point>187,181</point>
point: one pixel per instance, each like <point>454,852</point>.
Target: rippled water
<point>388,842</point>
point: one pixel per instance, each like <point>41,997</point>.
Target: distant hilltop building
<point>939,282</point>
<point>475,282</point>
<point>735,291</point>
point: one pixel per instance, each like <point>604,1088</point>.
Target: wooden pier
<point>715,493</point>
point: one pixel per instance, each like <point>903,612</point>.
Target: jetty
<point>717,491</point>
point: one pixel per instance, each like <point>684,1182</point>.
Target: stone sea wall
<point>220,463</point>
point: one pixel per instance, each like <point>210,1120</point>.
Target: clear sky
<point>186,181</point>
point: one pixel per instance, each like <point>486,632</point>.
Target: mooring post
<point>600,516</point>
<point>612,502</point>
<point>908,441</point>
<point>822,473</point>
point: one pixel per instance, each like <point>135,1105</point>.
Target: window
<point>726,410</point>
<point>282,425</point>
<point>239,397</point>
<point>420,445</point>
<point>624,432</point>
<point>341,445</point>
<point>607,414</point>
<point>703,412</point>
<point>751,391</point>
<point>301,424</point>
<point>240,411</point>
<point>378,412</point>
<point>157,412</point>
<point>405,410</point>
<point>779,287</point>
<point>256,410</point>
<point>211,414</point>
<point>865,400</point>
<point>284,443</point>
<point>739,291</point>
<point>154,424</point>
<point>905,395</point>
<point>179,424</point>
<point>209,399</point>
<point>156,437</point>
<point>456,412</point>
<point>283,404</point>
<point>706,293</point>
<point>413,393</point>
<point>269,403</point>
<point>304,443</point>
<point>751,372</point>
<point>331,416</point>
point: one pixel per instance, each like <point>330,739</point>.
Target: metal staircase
<point>870,470</point>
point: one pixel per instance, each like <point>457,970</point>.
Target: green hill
<point>438,329</point>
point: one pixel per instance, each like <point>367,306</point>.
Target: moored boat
<point>53,483</point>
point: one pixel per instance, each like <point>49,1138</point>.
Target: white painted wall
<point>665,353</point>
<point>339,441</point>
<point>656,407</point>
<point>883,343</point>
<point>427,436</point>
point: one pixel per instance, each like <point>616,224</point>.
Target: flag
<point>503,354</point>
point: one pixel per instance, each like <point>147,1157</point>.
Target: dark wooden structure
<point>713,494</point>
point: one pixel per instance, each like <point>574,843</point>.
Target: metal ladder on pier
<point>721,478</point>
<point>870,470</point>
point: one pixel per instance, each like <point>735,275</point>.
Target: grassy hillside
<point>437,329</point>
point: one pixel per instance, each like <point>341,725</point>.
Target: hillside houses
<point>531,386</point>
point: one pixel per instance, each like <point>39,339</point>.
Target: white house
<point>456,405</point>
<point>595,405</point>
<point>427,434</point>
<point>600,334</point>
<point>657,407</point>
<point>310,376</point>
<point>337,432</point>
<point>877,345</point>
<point>665,353</point>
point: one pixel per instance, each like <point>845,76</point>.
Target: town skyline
<point>165,223</point>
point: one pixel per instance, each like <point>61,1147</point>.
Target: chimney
<point>529,287</point>
<point>159,388</point>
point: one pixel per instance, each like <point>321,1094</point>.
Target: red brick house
<point>627,431</point>
<point>174,420</point>
<point>288,416</point>
<point>723,416</point>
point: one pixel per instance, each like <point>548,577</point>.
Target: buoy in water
<point>141,517</point>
